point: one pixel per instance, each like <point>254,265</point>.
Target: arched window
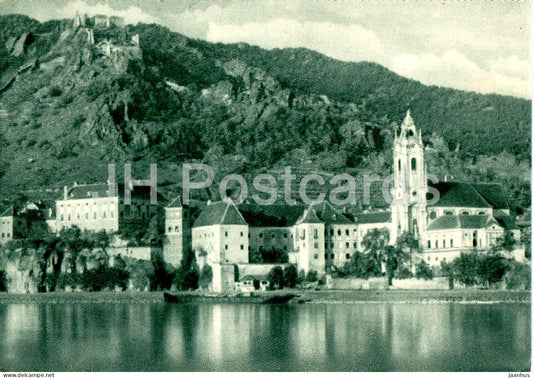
<point>399,165</point>
<point>465,213</point>
<point>413,164</point>
<point>433,215</point>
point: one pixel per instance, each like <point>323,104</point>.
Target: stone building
<point>97,207</point>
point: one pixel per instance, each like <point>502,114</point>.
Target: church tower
<point>410,181</point>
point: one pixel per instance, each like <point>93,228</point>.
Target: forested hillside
<point>72,108</point>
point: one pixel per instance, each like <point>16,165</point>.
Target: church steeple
<point>410,180</point>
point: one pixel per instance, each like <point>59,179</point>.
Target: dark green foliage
<point>273,256</point>
<point>3,283</point>
<point>275,277</point>
<point>465,268</point>
<point>312,276</point>
<point>423,271</point>
<point>474,268</point>
<point>361,265</point>
<point>518,276</point>
<point>103,278</point>
<point>447,270</point>
<point>206,276</point>
<point>187,274</point>
<point>393,260</point>
<point>254,256</point>
<point>290,275</point>
<point>491,269</point>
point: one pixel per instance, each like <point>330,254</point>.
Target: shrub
<point>312,276</point>
<point>290,276</point>
<point>518,276</point>
<point>423,271</point>
<point>275,277</point>
<point>491,268</point>
<point>55,91</point>
<point>404,273</point>
<point>206,276</point>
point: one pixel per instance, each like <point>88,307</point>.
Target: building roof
<point>458,194</point>
<point>494,194</point>
<point>85,191</point>
<point>506,221</point>
<point>449,222</point>
<point>309,217</point>
<point>329,215</point>
<point>7,212</point>
<point>220,213</point>
<point>271,215</point>
<point>257,277</point>
<point>176,202</point>
<point>373,217</point>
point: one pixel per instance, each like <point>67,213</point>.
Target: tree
<point>423,271</point>
<point>187,274</point>
<point>290,275</point>
<point>506,242</point>
<point>448,270</point>
<point>465,268</point>
<point>275,277</point>
<point>206,276</point>
<point>312,276</point>
<point>393,260</point>
<point>491,268</point>
<point>375,243</point>
<point>407,240</point>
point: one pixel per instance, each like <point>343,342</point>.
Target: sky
<point>474,45</point>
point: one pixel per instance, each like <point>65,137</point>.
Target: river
<point>229,337</point>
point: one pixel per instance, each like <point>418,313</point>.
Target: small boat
<point>261,299</point>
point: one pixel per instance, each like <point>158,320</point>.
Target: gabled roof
<point>7,212</point>
<point>373,217</point>
<point>176,202</point>
<point>86,191</point>
<point>271,215</point>
<point>220,213</point>
<point>449,222</point>
<point>309,217</point>
<point>506,221</point>
<point>494,194</point>
<point>329,215</point>
<point>458,194</point>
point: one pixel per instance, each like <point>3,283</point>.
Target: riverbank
<point>302,297</point>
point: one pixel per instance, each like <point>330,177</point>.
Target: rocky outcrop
<point>22,43</point>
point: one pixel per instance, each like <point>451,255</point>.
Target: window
<point>326,245</point>
<point>8,234</point>
<point>69,217</point>
<point>170,229</point>
<point>436,244</point>
<point>273,236</point>
<point>62,217</point>
<point>242,234</point>
<point>105,215</point>
<point>226,234</point>
<point>176,228</point>
<point>355,245</point>
<point>316,245</point>
<point>481,213</point>
<point>413,164</point>
<point>465,213</point>
<point>261,235</point>
<point>448,213</point>
<point>226,247</point>
<point>285,235</point>
<point>399,165</point>
<point>332,245</point>
<point>347,232</point>
<point>444,243</point>
<point>347,245</point>
<point>451,243</point>
<point>315,232</point>
<point>331,232</point>
<point>432,215</point>
<point>332,256</point>
<point>284,247</point>
<point>347,256</point>
<point>339,232</point>
<point>316,256</point>
<point>242,246</point>
<point>429,243</point>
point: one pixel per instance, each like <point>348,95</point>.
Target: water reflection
<point>365,337</point>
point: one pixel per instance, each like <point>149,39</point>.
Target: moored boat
<point>259,299</point>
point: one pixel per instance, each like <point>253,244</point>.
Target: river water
<point>229,337</point>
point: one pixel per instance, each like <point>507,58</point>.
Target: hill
<point>69,106</point>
